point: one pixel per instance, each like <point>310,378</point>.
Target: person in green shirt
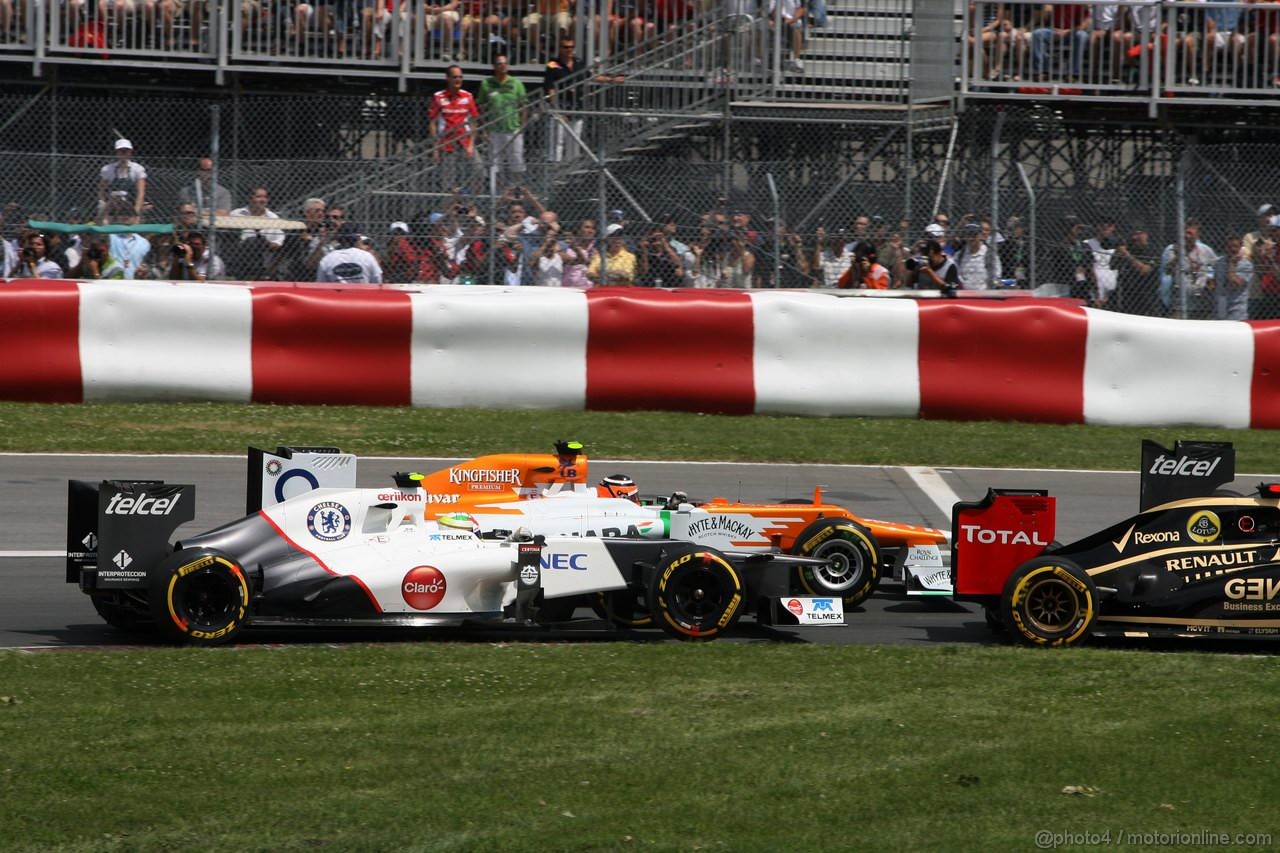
<point>96,262</point>
<point>504,111</point>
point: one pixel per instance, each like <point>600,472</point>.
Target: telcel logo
<point>141,505</point>
<point>1184,467</point>
<point>978,533</point>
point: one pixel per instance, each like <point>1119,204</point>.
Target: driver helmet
<point>619,486</point>
<point>459,521</point>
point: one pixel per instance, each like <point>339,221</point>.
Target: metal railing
<point>1136,50</point>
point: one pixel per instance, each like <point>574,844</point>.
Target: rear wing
<point>292,471</point>
<point>990,538</point>
<point>118,529</point>
<point>1192,469</point>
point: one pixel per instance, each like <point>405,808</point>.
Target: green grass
<point>629,747</point>
<point>228,428</point>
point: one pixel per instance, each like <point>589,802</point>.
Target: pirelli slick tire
<point>625,608</point>
<point>696,594</point>
<point>854,555</point>
<point>1049,602</point>
<point>199,597</point>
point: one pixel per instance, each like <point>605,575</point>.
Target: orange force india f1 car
<point>1195,561</point>
<point>549,494</point>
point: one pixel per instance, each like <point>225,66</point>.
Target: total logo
<point>141,505</point>
<point>1204,527</point>
<point>423,587</point>
<point>978,533</point>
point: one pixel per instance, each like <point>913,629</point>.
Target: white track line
<point>929,481</point>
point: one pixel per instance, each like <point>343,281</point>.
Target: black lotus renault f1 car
<point>1187,564</point>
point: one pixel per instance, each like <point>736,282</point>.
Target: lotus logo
<point>1204,527</point>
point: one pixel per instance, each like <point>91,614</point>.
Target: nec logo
<point>141,505</point>
<point>564,561</point>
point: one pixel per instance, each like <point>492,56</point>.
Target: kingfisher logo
<point>141,505</point>
<point>423,587</point>
<point>484,476</point>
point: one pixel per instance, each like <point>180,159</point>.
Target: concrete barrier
<point>737,352</point>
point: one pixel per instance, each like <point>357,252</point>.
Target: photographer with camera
<point>931,268</point>
<point>97,262</point>
<point>34,260</point>
<point>191,261</point>
<point>578,253</point>
<point>658,265</point>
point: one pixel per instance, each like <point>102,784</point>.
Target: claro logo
<point>141,505</point>
<point>423,587</point>
<point>978,533</point>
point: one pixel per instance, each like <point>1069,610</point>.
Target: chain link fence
<point>1141,220</point>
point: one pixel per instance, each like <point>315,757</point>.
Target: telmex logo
<point>978,533</point>
<point>576,562</point>
<point>142,505</point>
<point>1184,466</point>
<point>459,476</point>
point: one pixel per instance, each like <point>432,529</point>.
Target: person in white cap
<point>123,179</point>
<point>1253,238</point>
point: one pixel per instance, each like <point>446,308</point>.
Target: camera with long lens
<point>913,264</point>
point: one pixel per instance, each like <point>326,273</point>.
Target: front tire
<point>1049,602</point>
<point>854,572</point>
<point>696,595</point>
<point>199,597</point>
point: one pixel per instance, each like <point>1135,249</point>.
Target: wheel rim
<point>207,599</point>
<point>1051,605</point>
<point>846,568</point>
<point>697,596</point>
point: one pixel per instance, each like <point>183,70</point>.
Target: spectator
<point>618,261</point>
<point>1137,275</point>
<point>203,195</point>
<point>792,261</point>
<point>937,270</point>
<point>987,41</point>
<point>1266,267</point>
<point>192,261</point>
<point>158,259</point>
<point>1232,282</point>
<point>257,254</point>
<point>470,251</point>
<point>34,260</point>
<point>1192,27</point>
<point>426,255</point>
<point>1104,46</point>
<point>671,229</point>
<point>977,262</point>
<point>506,112</point>
<point>545,18</point>
<point>1254,237</point>
<point>1102,247</point>
<point>130,250</point>
<point>1069,262</point>
<point>558,84</point>
<point>937,231</point>
<point>1187,291</point>
<point>300,257</point>
<point>397,268</point>
<point>548,264</point>
<point>738,265</point>
<point>791,14</point>
<point>123,179</point>
<point>443,18</point>
<point>864,273</point>
<point>1019,21</point>
<point>659,264</point>
<point>578,255</point>
<point>97,262</point>
<point>351,262</point>
<point>830,256</point>
<point>1262,42</point>
<point>1015,253</point>
<point>451,115</point>
<point>1060,23</point>
<point>893,256</point>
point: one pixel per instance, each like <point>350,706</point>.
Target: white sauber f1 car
<point>367,557</point>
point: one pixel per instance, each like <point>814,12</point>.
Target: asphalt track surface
<point>39,609</point>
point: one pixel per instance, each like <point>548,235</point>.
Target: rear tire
<point>696,595</point>
<point>1049,602</point>
<point>200,597</point>
<point>855,567</point>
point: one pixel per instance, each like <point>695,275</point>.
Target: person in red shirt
<point>452,117</point>
<point>864,272</point>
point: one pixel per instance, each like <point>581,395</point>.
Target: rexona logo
<point>577,562</point>
<point>141,505</point>
<point>1155,537</point>
<point>1204,527</point>
<point>1184,466</point>
<point>471,476</point>
<point>978,533</point>
<point>423,587</point>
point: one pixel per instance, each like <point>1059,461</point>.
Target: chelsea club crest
<point>329,521</point>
